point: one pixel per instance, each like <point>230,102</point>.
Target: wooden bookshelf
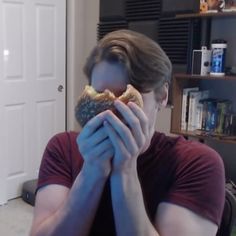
<point>205,77</point>
<point>206,137</point>
<point>207,15</point>
<point>181,81</point>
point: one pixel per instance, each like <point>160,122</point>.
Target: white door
<point>32,86</point>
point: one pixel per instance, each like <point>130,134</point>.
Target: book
<point>195,109</point>
<point>224,107</point>
<point>199,108</point>
<point>204,113</point>
<point>185,106</point>
<point>210,114</point>
<point>192,109</point>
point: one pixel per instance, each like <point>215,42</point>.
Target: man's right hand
<point>95,146</point>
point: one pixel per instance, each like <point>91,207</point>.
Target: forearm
<point>76,214</point>
<point>128,206</point>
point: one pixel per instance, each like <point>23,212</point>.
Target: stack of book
<point>201,112</point>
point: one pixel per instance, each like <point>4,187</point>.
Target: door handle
<point>60,88</point>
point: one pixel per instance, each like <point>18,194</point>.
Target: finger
<point>121,129</point>
<point>124,146</point>
<point>98,136</point>
<point>86,144</point>
<point>132,121</point>
<point>108,154</point>
<point>92,125</point>
<point>102,147</point>
<point>141,116</point>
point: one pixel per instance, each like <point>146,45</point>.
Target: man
<point>120,177</point>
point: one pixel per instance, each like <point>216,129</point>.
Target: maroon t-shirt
<point>186,173</point>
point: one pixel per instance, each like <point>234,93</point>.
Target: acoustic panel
<point>178,37</point>
<point>109,26</point>
<point>148,28</point>
<point>112,10</point>
<point>143,10</point>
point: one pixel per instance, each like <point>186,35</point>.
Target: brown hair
<point>148,67</point>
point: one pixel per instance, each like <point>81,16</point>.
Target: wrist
<point>124,172</point>
<point>122,184</point>
<point>126,168</point>
<point>94,172</point>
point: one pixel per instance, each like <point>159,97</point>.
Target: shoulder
<point>180,151</point>
<point>62,137</point>
<point>196,153</point>
<point>62,142</point>
<point>61,148</point>
<point>199,169</point>
<point>60,155</point>
<point>162,143</point>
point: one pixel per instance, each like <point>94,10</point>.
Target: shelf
<point>181,81</point>
<point>216,83</point>
<point>205,77</point>
<point>197,134</point>
<point>207,15</point>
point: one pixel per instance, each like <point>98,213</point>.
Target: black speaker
<point>112,10</point>
<point>148,28</point>
<point>28,191</point>
<point>172,7</point>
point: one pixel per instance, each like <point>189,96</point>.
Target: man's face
<point>112,76</point>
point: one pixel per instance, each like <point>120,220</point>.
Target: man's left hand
<point>128,136</point>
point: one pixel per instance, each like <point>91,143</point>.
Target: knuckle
<point>129,156</point>
<point>93,153</point>
<point>107,144</point>
<point>89,125</point>
<point>143,139</point>
<point>135,122</point>
<point>109,153</point>
<point>136,151</point>
<point>145,120</point>
<point>109,112</point>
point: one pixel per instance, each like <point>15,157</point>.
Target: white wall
<point>163,121</point>
<point>82,19</point>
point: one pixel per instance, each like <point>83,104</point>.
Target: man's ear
<point>164,95</point>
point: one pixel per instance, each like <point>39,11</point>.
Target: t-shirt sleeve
<point>199,182</point>
<point>55,166</point>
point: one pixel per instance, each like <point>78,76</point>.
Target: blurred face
<point>113,76</point>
